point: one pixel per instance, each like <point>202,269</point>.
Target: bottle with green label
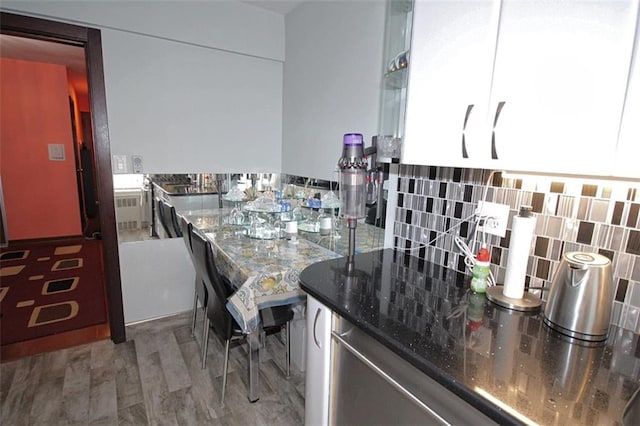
<point>481,270</point>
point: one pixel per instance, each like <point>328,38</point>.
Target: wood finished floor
<point>154,378</point>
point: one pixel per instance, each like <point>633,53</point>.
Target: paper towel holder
<point>529,302</point>
<point>523,225</point>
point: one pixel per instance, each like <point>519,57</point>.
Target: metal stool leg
<point>226,368</point>
<point>195,313</point>
<point>205,341</point>
<point>288,348</point>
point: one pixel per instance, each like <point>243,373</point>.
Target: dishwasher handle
<point>340,339</point>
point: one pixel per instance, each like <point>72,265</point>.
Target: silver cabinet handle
<point>465,154</point>
<point>315,322</point>
<point>388,378</point>
<point>494,151</point>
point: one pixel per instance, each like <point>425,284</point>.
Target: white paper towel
<point>519,247</point>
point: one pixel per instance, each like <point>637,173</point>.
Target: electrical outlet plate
<point>497,216</point>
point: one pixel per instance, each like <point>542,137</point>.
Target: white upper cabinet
<point>560,75</point>
<point>450,66</point>
<point>627,162</point>
<point>545,94</point>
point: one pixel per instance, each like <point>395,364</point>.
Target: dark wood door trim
<point>91,39</point>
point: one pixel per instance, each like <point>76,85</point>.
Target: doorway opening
<point>92,180</point>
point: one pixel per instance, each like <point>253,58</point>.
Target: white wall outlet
<point>493,218</point>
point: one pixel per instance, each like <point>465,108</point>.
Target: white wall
<point>157,279</point>
<point>191,86</point>
<point>188,109</point>
<point>332,77</point>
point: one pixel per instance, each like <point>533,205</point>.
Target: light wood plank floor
<point>154,378</point>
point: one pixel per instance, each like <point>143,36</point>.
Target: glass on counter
<point>292,215</point>
<point>309,225</point>
<point>235,194</point>
<point>330,200</point>
<point>236,217</point>
<point>265,230</point>
<point>263,204</point>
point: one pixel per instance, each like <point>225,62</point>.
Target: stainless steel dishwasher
<point>374,386</point>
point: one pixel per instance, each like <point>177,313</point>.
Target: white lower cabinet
<point>318,372</point>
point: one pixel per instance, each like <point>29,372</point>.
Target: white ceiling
<point>279,6</point>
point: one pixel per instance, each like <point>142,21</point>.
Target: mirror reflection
<point>146,204</point>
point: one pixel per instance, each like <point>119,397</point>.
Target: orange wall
<point>41,196</point>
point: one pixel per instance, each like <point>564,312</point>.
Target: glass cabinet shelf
<point>396,60</point>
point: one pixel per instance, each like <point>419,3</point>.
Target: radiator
<point>128,210</point>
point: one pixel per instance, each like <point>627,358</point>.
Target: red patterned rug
<point>49,288</point>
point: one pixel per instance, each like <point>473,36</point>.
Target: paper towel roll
<point>519,246</point>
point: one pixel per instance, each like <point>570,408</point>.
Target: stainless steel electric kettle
<point>580,298</point>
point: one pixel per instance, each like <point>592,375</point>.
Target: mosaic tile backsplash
<point>435,204</point>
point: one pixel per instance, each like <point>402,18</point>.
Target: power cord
<point>470,259</point>
<point>484,221</point>
<point>445,232</point>
<point>469,254</point>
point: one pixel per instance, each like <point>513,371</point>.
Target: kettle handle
<point>573,272</point>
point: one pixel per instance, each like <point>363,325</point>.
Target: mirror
<point>137,196</point>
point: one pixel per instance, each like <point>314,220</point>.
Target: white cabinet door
<point>450,67</point>
<point>317,375</point>
<point>627,162</point>
<point>560,75</point>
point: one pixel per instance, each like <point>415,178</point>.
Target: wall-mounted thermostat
<point>136,163</point>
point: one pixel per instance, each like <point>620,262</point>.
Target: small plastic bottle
<point>325,223</point>
<point>481,270</point>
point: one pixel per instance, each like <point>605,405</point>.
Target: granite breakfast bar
<point>265,272</point>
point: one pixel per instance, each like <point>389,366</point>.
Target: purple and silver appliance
<point>353,170</point>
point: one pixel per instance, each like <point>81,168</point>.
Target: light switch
<point>119,165</point>
<point>56,152</point>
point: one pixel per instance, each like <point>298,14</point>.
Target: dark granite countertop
<point>507,364</point>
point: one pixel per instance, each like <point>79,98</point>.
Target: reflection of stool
<point>169,219</point>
